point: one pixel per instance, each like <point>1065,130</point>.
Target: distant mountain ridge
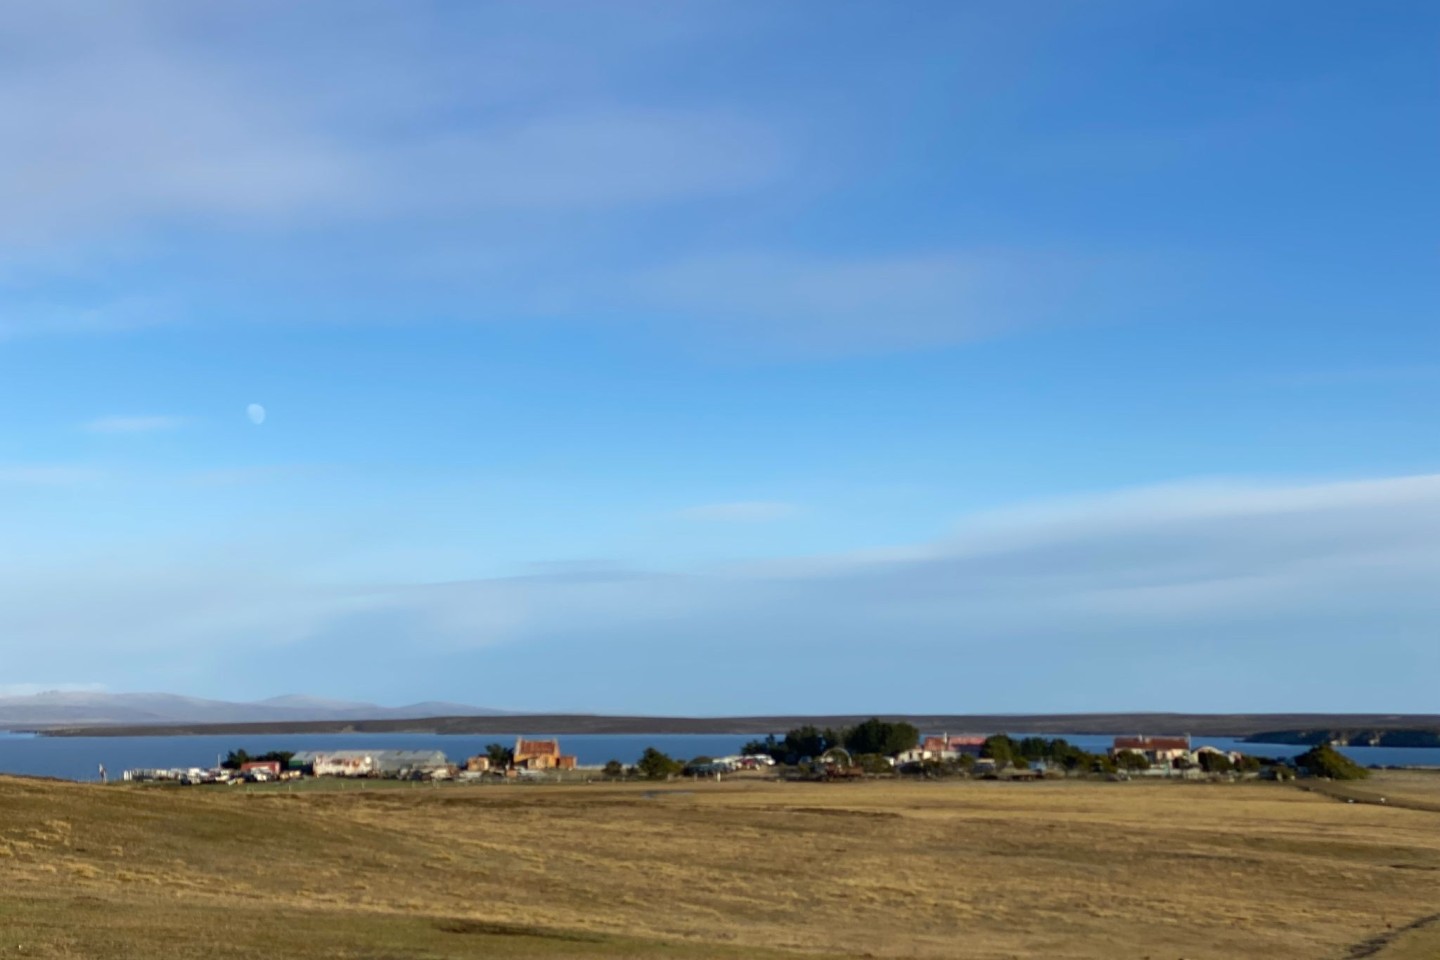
<point>65,707</point>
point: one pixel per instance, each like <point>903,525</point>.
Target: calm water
<point>78,758</point>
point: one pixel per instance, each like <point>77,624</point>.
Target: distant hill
<point>440,718</point>
<point>72,708</point>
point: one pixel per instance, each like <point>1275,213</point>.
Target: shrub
<point>1130,760</point>
<point>1324,760</point>
<point>654,765</point>
<point>1215,762</point>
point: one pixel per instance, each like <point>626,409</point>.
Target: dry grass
<point>984,870</point>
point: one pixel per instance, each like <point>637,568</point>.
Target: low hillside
<point>702,870</point>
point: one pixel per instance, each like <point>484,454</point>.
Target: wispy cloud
<point>1161,591</point>
<point>228,138</point>
<point>793,302</point>
<point>741,511</point>
<point>45,475</point>
<point>135,424</point>
<point>582,161</point>
<point>21,317</point>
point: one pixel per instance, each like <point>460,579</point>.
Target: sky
<point>723,358</point>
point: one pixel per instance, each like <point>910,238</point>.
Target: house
<point>913,755</point>
<point>947,747</point>
<point>480,763</point>
<point>341,763</point>
<point>269,768</point>
<point>541,755</point>
<point>1157,750</point>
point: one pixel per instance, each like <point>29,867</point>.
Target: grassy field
<point>745,869</point>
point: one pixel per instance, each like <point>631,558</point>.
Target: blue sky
<point>723,358</point>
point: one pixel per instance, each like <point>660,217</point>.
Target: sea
<point>80,758</point>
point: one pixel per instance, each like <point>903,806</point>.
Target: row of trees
<point>652,765</point>
<point>874,736</point>
<point>871,741</point>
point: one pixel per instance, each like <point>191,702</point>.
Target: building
<point>480,763</point>
<point>337,763</point>
<point>540,755</point>
<point>1157,750</point>
<point>370,763</point>
<point>947,747</point>
<point>268,767</point>
<point>410,763</point>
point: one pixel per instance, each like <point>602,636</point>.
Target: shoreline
<point>1238,726</point>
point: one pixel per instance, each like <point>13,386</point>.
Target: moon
<point>256,413</point>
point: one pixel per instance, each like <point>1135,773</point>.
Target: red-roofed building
<point>271,767</point>
<point>1154,749</point>
<point>947,747</point>
<point>541,755</point>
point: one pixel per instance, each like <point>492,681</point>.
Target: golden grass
<point>743,869</point>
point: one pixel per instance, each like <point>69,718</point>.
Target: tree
<point>1001,749</point>
<point>877,736</point>
<point>808,741</point>
<point>654,765</point>
<point>873,763</point>
<point>614,769</point>
<point>1131,760</point>
<point>1324,760</point>
<point>1100,763</point>
<point>769,747</point>
<point>238,758</point>
<point>500,756</point>
<point>1212,762</point>
<point>235,759</point>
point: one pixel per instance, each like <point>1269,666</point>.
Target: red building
<point>541,755</point>
<point>271,767</point>
<point>946,745</point>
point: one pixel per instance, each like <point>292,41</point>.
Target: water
<point>78,758</point>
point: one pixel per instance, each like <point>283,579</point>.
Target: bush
<point>1001,749</point>
<point>654,765</point>
<point>1215,762</point>
<point>873,763</point>
<point>614,769</point>
<point>1130,760</point>
<point>1325,761</point>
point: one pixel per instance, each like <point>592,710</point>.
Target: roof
<point>956,742</point>
<point>380,757</point>
<point>388,760</point>
<point>537,748</point>
<point>310,756</point>
<point>1152,743</point>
